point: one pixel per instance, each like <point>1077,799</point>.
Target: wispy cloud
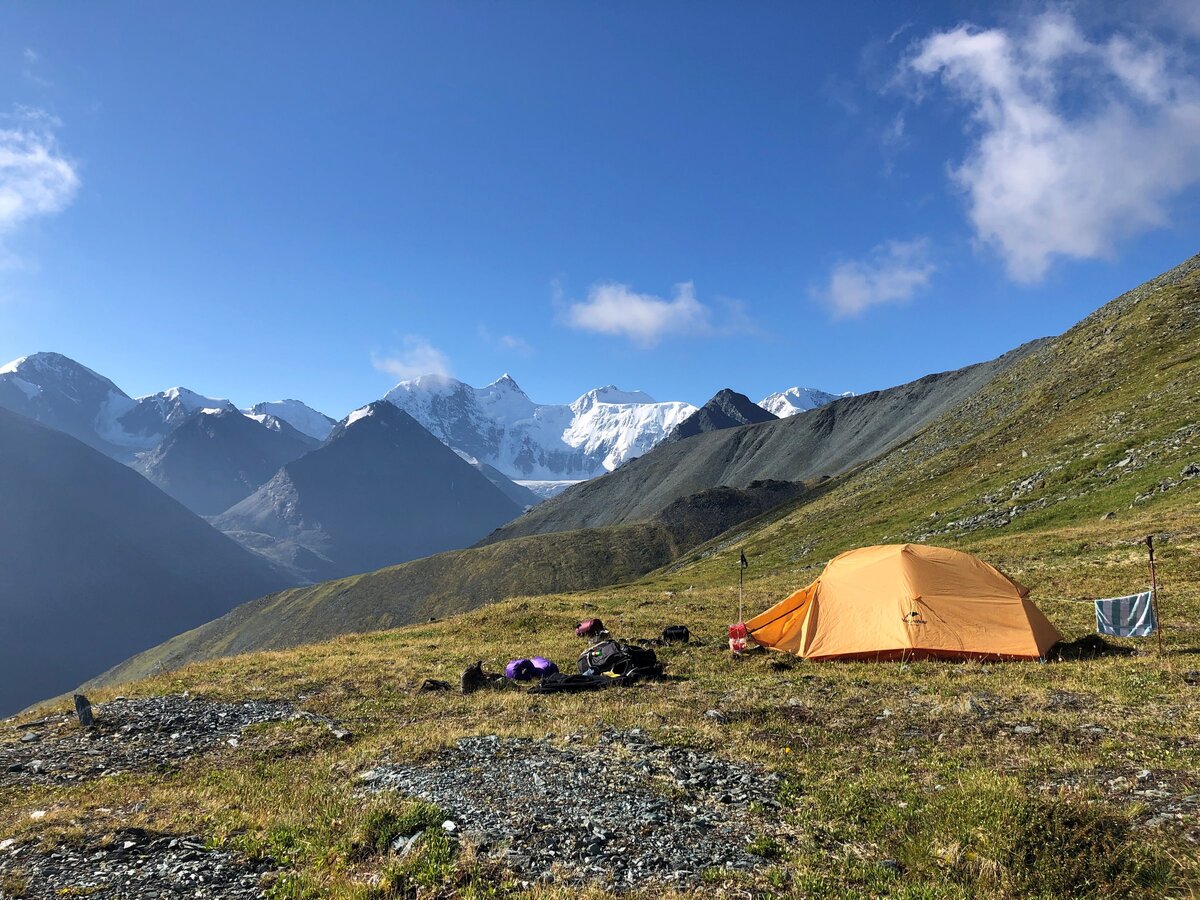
<point>36,179</point>
<point>30,59</point>
<point>892,273</point>
<point>416,357</point>
<point>1076,143</point>
<point>617,309</point>
<point>507,342</point>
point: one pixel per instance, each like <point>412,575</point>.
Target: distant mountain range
<point>427,470</point>
<point>821,442</point>
<point>500,426</point>
<point>57,391</point>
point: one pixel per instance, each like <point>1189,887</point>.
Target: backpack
<point>619,659</point>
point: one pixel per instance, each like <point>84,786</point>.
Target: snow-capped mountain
<point>500,426</point>
<point>299,415</point>
<point>153,417</point>
<point>57,391</point>
<point>797,400</point>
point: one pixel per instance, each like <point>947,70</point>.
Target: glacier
<point>539,442</point>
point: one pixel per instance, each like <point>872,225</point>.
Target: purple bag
<point>520,670</point>
<point>543,667</point>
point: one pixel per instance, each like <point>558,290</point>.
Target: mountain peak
<point>610,393</point>
<point>378,412</point>
<point>726,409</point>
<point>797,400</point>
<point>505,384</point>
<point>297,414</point>
<point>47,362</point>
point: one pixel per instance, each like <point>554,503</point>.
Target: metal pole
<point>741,576</point>
<point>1158,625</point>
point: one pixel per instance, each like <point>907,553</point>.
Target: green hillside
<point>1079,777</point>
<point>457,581</point>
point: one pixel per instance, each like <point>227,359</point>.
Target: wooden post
<point>1154,593</point>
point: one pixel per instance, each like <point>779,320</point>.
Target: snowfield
<point>533,442</point>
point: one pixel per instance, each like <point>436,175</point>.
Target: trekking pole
<point>742,564</point>
<point>1154,592</point>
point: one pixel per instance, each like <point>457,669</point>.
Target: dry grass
<point>915,763</point>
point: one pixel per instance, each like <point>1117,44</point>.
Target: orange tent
<point>905,601</point>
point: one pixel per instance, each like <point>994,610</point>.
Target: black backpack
<point>619,659</point>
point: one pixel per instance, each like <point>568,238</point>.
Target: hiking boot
<point>473,678</point>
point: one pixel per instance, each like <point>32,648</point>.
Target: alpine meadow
<point>921,622</point>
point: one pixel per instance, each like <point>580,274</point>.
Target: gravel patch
<point>142,734</point>
<point>624,812</point>
<point>132,866</point>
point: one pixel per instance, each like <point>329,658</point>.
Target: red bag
<point>589,628</point>
<point>737,637</point>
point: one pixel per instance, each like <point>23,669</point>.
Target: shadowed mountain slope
<point>97,563</point>
<point>380,491</point>
<point>824,441</point>
<point>215,460</point>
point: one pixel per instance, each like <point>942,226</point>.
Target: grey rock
<point>135,866</point>
<point>83,711</point>
<point>130,735</point>
<point>565,807</point>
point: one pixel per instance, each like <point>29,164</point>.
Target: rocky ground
<point>129,735</point>
<point>132,865</point>
<point>624,811</point>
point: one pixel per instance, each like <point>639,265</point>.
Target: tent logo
<point>914,618</point>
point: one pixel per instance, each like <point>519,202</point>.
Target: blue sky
<point>312,200</point>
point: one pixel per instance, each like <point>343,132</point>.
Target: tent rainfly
<point>907,601</point>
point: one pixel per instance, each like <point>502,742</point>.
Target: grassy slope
<point>457,581</point>
<point>915,763</point>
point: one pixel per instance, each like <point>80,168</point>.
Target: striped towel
<point>1131,616</point>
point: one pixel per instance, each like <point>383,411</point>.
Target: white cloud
<point>508,342</point>
<point>35,178</point>
<point>417,357</point>
<point>616,309</point>
<point>892,273</point>
<point>1076,143</point>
